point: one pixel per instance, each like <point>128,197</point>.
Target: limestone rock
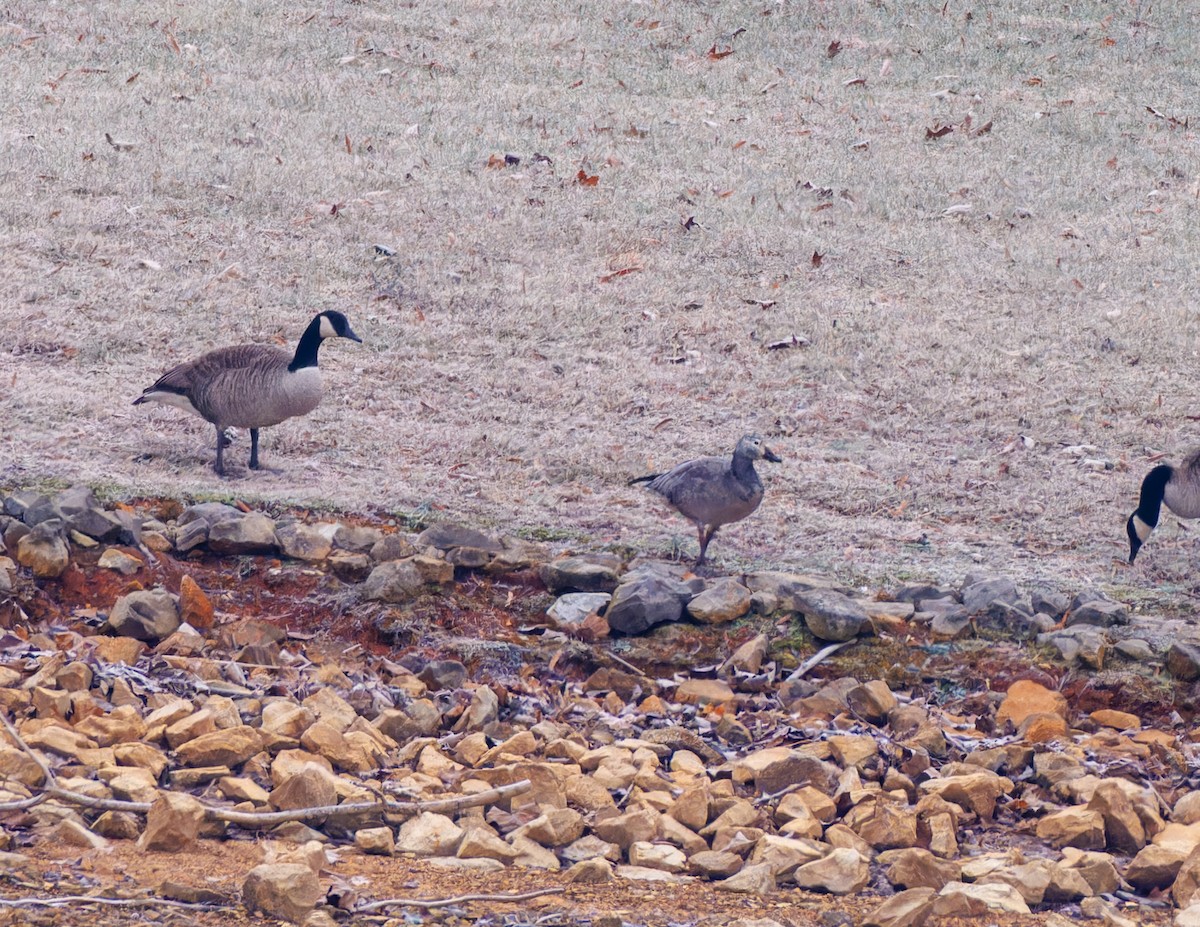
<point>977,596</point>
<point>758,879</point>
<point>919,868</point>
<point>646,600</point>
<point>172,823</point>
<point>832,616</point>
<point>722,602</point>
<point>1025,698</point>
<point>842,872</point>
<point>146,615</point>
<point>251,533</point>
<point>960,899</point>
<point>429,834</point>
<point>1122,826</point>
<point>119,562</point>
<point>393,581</point>
<point>657,856</point>
<point>583,573</point>
<point>1073,827</point>
<point>44,551</point>
<point>288,891</point>
<point>591,871</point>
<point>749,657</point>
<point>221,748</point>
<point>910,908</point>
<point>301,541</point>
<point>569,611</point>
<point>379,841</point>
<point>711,864</point>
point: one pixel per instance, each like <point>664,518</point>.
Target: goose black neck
<point>743,468</point>
<point>1154,486</point>
<point>306,350</point>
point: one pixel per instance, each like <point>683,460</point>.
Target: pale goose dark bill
<point>714,491</point>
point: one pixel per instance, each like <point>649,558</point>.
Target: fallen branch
<point>47,775</point>
<point>431,903</point>
<point>271,818</point>
<point>111,902</point>
<point>815,660</point>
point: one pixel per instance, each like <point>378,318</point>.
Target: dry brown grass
<point>511,374</point>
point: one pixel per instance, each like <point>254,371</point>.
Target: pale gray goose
<point>250,385</point>
<point>714,491</point>
<point>1178,488</point>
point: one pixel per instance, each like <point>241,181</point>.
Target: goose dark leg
<point>254,449</point>
<point>705,537</point>
<point>220,464</point>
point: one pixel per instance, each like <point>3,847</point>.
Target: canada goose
<point>714,491</point>
<point>1176,487</point>
<point>250,385</point>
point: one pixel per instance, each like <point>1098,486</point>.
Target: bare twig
<point>111,902</point>
<point>431,903</point>
<point>271,818</point>
<point>815,660</point>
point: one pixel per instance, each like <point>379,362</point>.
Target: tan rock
<point>593,871</point>
<point>1122,826</point>
<point>784,854</point>
<point>758,879</point>
<point>853,749</point>
<point>121,725</point>
<point>690,808</point>
<point>1029,879</point>
<point>626,829</point>
<point>480,840</point>
<point>749,657</point>
<point>286,718</point>
<point>429,834</point>
<point>795,818</point>
<point>722,602</point>
<point>1097,870</point>
<point>238,788</point>
<point>17,766</point>
<point>58,740</point>
<point>710,864</point>
<point>842,872</point>
<point>331,707</point>
<point>871,701</point>
<point>1025,698</point>
<point>977,791</point>
<point>221,748</point>
<point>116,649</point>
<point>288,891</point>
<point>587,795</point>
<point>885,825</point>
<point>195,608</point>
<point>325,739</point>
<point>1043,727</point>
<point>378,841</point>
<point>919,868</point>
<point>943,835</point>
<point>910,908</point>
<point>657,856</point>
<point>532,855</point>
<point>1119,720</point>
<point>310,787</point>
<point>554,827</point>
<point>75,677</point>
<point>959,899</point>
<point>118,825</point>
<point>130,783</point>
<point>1187,809</point>
<point>172,823</point>
<point>1187,881</point>
<point>188,727</point>
<point>72,833</point>
<point>704,692</point>
<point>1073,827</point>
<point>1182,837</point>
<point>676,834</point>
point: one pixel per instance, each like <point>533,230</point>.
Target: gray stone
<point>357,538</point>
<point>443,674</point>
<point>21,501</point>
<point>81,511</point>
<point>1136,649</point>
<point>978,595</point>
<point>917,593</point>
<point>208,512</point>
<point>1084,644</point>
<point>191,535</point>
<point>832,616</point>
<point>582,573</point>
<point>392,547</point>
<point>1183,661</point>
<point>40,509</point>
<point>147,615</point>
<point>645,601</point>
<point>393,581</point>
<point>1049,602</point>
<point>948,621</point>
<point>250,534</point>
<point>784,590</point>
<point>302,542</point>
<point>1099,612</point>
<point>448,536</point>
<point>569,610</point>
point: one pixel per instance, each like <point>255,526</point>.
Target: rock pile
<point>176,723</point>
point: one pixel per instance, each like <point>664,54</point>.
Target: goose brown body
<point>714,491</point>
<point>250,385</point>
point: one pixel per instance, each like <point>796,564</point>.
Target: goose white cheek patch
<point>1143,530</point>
<point>326,330</point>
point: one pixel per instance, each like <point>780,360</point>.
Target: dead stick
<point>801,671</point>
<point>460,899</point>
<point>112,902</point>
